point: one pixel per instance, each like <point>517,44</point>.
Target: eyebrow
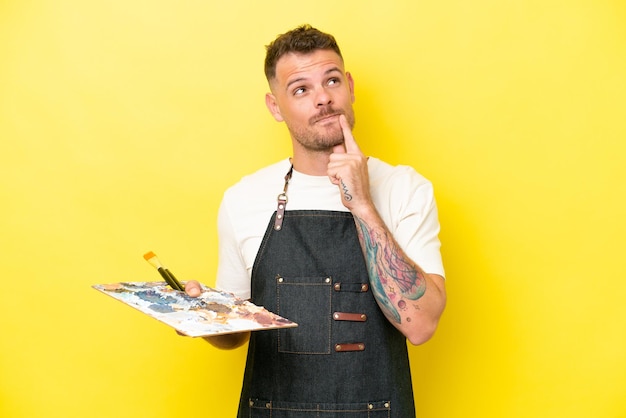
<point>299,79</point>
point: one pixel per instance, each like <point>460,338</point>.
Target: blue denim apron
<point>344,360</point>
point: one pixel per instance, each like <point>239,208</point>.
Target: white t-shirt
<point>404,199</point>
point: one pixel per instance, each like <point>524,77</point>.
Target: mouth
<point>326,118</point>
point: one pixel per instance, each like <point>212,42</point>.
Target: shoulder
<point>247,205</point>
<point>399,192</point>
<point>405,201</point>
<point>388,178</point>
<point>269,179</point>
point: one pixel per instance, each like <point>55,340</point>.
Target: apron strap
<point>282,202</point>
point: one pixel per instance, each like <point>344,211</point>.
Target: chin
<point>319,142</point>
<point>329,143</point>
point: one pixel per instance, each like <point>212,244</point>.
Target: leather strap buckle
<point>282,202</point>
<point>280,211</point>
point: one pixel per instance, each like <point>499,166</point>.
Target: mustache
<point>324,113</point>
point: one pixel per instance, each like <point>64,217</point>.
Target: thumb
<point>193,288</point>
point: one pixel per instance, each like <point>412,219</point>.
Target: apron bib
<point>344,360</point>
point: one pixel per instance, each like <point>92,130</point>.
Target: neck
<point>312,163</point>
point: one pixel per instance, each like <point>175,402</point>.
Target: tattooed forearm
<point>346,195</point>
<point>393,276</point>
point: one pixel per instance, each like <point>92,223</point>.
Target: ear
<point>351,85</point>
<point>272,106</point>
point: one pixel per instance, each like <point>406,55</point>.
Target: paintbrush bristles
<point>152,259</point>
<point>148,255</point>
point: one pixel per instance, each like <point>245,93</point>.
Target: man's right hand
<point>225,342</point>
<point>193,288</point>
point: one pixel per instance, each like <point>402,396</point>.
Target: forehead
<point>299,65</point>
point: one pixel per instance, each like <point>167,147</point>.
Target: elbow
<point>423,333</point>
<point>421,337</point>
<point>426,324</point>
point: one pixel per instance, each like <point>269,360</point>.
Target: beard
<point>321,136</point>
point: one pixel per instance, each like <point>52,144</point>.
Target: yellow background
<point>122,122</point>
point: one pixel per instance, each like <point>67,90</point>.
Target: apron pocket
<point>306,301</point>
<point>272,409</point>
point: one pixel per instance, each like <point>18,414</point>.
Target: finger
<point>339,149</point>
<point>193,288</point>
<point>345,129</point>
<point>348,139</point>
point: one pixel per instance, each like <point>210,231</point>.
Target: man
<point>351,253</point>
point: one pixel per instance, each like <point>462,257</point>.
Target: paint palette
<point>212,313</point>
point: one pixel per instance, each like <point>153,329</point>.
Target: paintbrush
<point>163,271</point>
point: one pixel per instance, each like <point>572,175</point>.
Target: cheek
<point>296,116</point>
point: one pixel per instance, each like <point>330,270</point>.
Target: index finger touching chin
<point>348,138</point>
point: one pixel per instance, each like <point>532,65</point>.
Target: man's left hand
<point>347,169</point>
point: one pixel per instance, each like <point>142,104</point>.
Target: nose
<point>323,98</point>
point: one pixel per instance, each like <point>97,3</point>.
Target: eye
<point>333,81</point>
<point>299,91</point>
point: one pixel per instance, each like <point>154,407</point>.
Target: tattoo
<point>389,270</point>
<point>346,195</point>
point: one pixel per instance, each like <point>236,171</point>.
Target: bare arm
<point>224,342</point>
<point>411,299</point>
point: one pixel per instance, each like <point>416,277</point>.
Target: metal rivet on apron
<point>251,403</point>
<point>365,287</point>
<point>370,406</point>
<point>268,405</point>
<point>327,280</point>
<point>386,404</point>
<point>280,279</point>
<point>337,287</point>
